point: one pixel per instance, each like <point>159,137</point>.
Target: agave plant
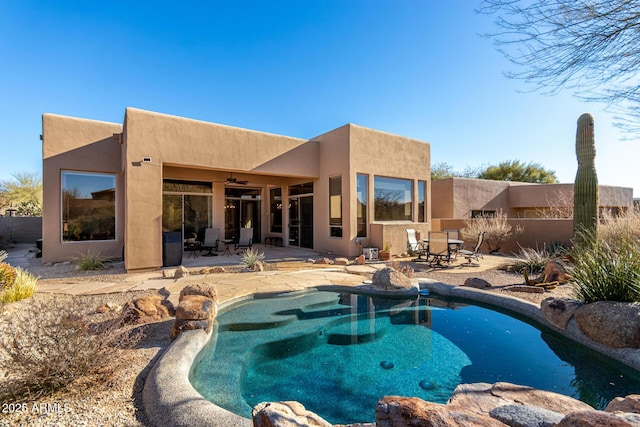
<point>251,256</point>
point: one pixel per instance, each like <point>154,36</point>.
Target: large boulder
<point>152,308</point>
<point>630,403</point>
<point>204,289</point>
<point>285,414</point>
<point>196,310</point>
<point>599,419</point>
<point>558,311</point>
<point>389,279</point>
<point>614,324</point>
<point>396,411</point>
<point>554,272</point>
<point>477,283</point>
<point>524,415</point>
<point>482,398</point>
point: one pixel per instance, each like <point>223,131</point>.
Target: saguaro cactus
<point>585,188</point>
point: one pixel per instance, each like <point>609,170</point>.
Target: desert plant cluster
<point>496,227</point>
<point>15,283</point>
<point>50,344</point>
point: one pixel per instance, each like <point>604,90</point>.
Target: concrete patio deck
<point>293,273</point>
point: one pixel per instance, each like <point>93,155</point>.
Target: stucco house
<point>544,211</point>
<point>119,187</point>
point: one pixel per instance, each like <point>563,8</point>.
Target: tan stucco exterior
<point>77,145</point>
<point>184,149</point>
<point>530,206</point>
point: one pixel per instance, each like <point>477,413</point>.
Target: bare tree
<point>590,47</point>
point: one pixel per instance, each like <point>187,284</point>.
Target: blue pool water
<point>338,354</point>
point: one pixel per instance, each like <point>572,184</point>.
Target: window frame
<point>64,219</point>
<point>336,223</point>
<point>408,210</point>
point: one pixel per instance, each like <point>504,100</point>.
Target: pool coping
<point>170,399</point>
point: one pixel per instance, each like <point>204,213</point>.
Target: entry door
<point>301,221</point>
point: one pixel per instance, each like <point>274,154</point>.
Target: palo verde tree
<point>23,192</point>
<point>515,170</point>
<point>588,47</point>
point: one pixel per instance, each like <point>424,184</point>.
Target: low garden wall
<point>538,232</point>
<point>20,229</point>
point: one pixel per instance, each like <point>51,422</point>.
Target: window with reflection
<point>88,206</point>
<point>361,208</point>
<point>422,201</point>
<point>393,199</point>
<point>335,206</point>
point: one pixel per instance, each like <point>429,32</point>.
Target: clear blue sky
<point>416,68</point>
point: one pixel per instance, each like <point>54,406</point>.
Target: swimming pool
<point>339,353</point>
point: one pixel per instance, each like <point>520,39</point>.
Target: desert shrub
<point>533,260</point>
<point>48,345</point>
<point>613,228</point>
<point>92,260</point>
<point>606,272</point>
<point>7,276</point>
<point>251,256</point>
<point>24,286</point>
<point>497,230</point>
<point>403,268</point>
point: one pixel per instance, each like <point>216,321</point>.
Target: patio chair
<point>454,234</point>
<point>246,239</point>
<point>413,245</point>
<point>475,253</point>
<point>211,241</point>
<point>439,251</point>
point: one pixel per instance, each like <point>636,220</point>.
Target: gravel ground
<point>118,401</point>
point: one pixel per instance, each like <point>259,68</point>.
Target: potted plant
<point>385,253</point>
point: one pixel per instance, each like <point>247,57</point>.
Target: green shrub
<point>24,286</point>
<point>606,272</point>
<point>533,260</point>
<point>92,260</point>
<point>48,345</point>
<point>251,256</point>
<point>7,276</point>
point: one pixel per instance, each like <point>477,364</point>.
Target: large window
<point>361,208</point>
<point>88,206</point>
<point>393,199</point>
<point>335,206</point>
<point>422,204</point>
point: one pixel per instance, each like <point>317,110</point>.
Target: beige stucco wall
<point>376,153</point>
<point>180,142</point>
<point>73,144</point>
<point>181,148</point>
<point>478,194</point>
<point>538,232</point>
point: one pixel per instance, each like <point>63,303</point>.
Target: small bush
<point>24,286</point>
<point>251,256</point>
<point>606,272</point>
<point>533,260</point>
<point>497,230</point>
<point>48,345</point>
<point>613,228</point>
<point>92,260</point>
<point>7,276</point>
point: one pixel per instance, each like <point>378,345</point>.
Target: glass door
<point>187,213</point>
<point>301,221</point>
<point>294,222</point>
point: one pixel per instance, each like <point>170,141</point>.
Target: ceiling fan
<point>232,180</point>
